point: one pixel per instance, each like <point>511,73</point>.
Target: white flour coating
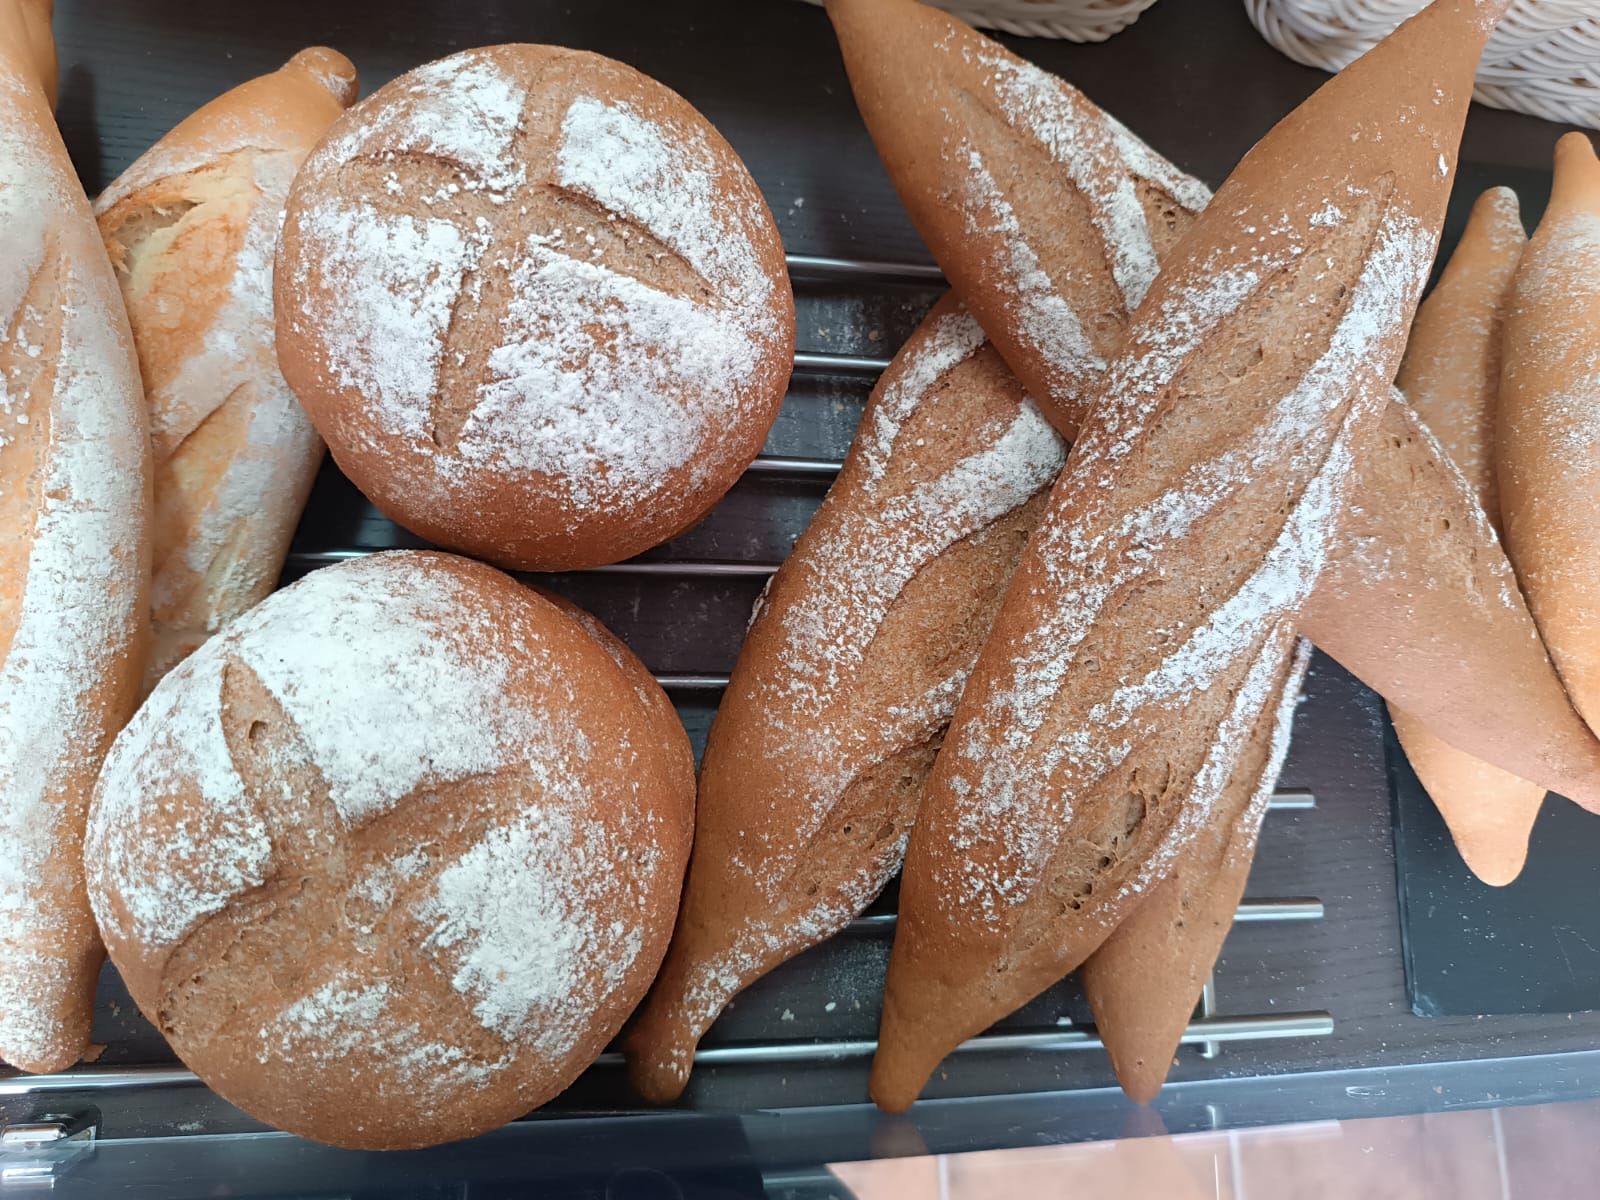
<point>314,646</point>
<point>1045,319</point>
<point>861,562</point>
<point>397,279</point>
<point>535,925</point>
<point>1252,703</point>
<point>602,382</point>
<point>1103,160</point>
<point>1011,773</point>
<point>520,911</point>
<point>462,109</point>
<point>663,178</point>
<point>346,1017</point>
<point>657,369</point>
<point>1106,163</point>
<point>1289,701</point>
<point>209,853</point>
<point>82,570</point>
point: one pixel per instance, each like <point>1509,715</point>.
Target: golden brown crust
<point>1451,376</point>
<point>536,305</point>
<point>1451,370</point>
<point>848,675</point>
<point>192,228</point>
<point>405,832</point>
<point>74,559</point>
<point>1298,283</point>
<point>1382,621</point>
<point>1549,423</point>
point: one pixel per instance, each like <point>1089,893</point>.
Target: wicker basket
<point>1544,59</point>
<point>1074,20</point>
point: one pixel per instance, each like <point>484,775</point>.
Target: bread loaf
<point>1550,423</point>
<point>850,670</point>
<point>74,562</point>
<point>192,227</point>
<point>1451,374</point>
<point>536,305</point>
<point>1154,608</point>
<point>390,859</point>
<point>1050,217</point>
<point>1145,979</point>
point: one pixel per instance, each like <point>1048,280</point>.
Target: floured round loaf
<point>391,859</point>
<point>536,306</point>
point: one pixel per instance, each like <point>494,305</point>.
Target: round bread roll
<point>535,305</point>
<point>391,859</point>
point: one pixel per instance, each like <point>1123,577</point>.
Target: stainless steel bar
<point>1293,800</point>
<point>838,364</point>
<point>697,570</point>
<point>95,1079</point>
<point>694,570</point>
<point>804,467</point>
<point>1209,1047</point>
<point>1069,1037</point>
<point>814,266</point>
<point>693,683</point>
<point>1288,908</point>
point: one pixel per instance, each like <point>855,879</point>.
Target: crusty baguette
<point>74,562</point>
<point>849,673</point>
<point>1143,981</point>
<point>1550,423</point>
<point>1155,605</point>
<point>192,229</point>
<point>1046,214</point>
<point>1451,375</point>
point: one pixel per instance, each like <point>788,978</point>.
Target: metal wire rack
<point>1209,1030</point>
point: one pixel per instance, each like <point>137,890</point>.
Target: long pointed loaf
<point>74,563</point>
<point>847,678</point>
<point>1154,607</point>
<point>192,230</point>
<point>1550,423</point>
<point>1451,375</point>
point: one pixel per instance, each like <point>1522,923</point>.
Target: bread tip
<point>1494,868</point>
<point>888,1092</point>
<point>1501,202</point>
<point>1574,150</point>
<point>336,73</point>
<point>657,1075</point>
<point>902,1066</point>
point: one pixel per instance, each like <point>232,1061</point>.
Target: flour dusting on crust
<point>82,516</point>
<point>603,381</point>
<point>868,543</point>
<point>396,682</point>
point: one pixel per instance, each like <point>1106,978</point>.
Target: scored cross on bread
<point>536,306</point>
